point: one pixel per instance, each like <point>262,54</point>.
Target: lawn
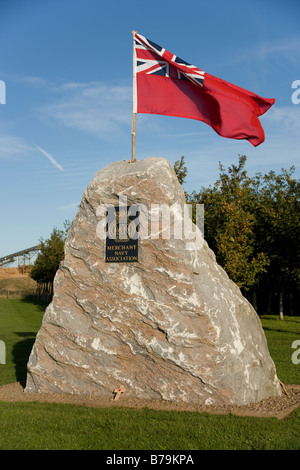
<point>19,322</point>
<point>57,426</point>
<point>280,336</point>
<point>41,426</point>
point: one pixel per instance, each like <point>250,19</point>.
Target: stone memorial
<point>141,305</point>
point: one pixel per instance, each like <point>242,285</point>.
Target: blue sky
<point>67,68</point>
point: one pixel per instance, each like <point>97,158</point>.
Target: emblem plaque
<point>122,234</point>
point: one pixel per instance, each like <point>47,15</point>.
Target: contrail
<point>52,160</point>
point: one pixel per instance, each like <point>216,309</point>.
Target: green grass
<point>280,335</point>
<point>19,322</point>
<point>57,426</point>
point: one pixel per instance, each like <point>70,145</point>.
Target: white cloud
<point>287,117</point>
<point>258,59</point>
<point>95,108</point>
<point>289,48</point>
<point>50,158</point>
<point>11,146</point>
<point>33,81</point>
<point>69,207</point>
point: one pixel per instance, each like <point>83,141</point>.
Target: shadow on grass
<point>32,299</point>
<point>21,352</point>
<point>22,349</point>
<point>280,330</point>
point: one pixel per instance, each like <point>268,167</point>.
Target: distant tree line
<point>253,226</point>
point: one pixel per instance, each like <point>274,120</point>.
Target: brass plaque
<point>122,235</point>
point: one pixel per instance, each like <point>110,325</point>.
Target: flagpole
<point>134,107</point>
<point>133,157</point>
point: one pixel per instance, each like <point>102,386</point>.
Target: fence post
<point>2,353</point>
<point>281,305</point>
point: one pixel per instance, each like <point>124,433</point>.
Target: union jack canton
<point>149,58</point>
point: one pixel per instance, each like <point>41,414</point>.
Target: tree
<point>180,170</point>
<point>278,232</point>
<point>253,227</point>
<point>230,223</point>
<point>278,217</point>
<point>50,255</point>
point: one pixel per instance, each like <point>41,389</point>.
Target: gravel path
<point>273,407</point>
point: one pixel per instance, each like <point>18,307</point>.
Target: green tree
<point>278,232</point>
<point>180,170</point>
<point>278,216</point>
<point>50,255</point>
<point>253,226</point>
<point>230,223</point>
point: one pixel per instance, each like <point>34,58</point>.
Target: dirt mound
<point>11,273</point>
<point>14,284</point>
<point>17,283</point>
<point>279,407</point>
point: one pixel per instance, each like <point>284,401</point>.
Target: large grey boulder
<point>171,326</point>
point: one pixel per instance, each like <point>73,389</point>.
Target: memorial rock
<point>164,322</point>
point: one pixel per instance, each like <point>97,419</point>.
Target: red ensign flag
<point>165,84</point>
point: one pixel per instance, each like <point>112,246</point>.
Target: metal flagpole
<point>134,107</point>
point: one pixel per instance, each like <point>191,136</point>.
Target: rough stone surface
<point>172,326</point>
